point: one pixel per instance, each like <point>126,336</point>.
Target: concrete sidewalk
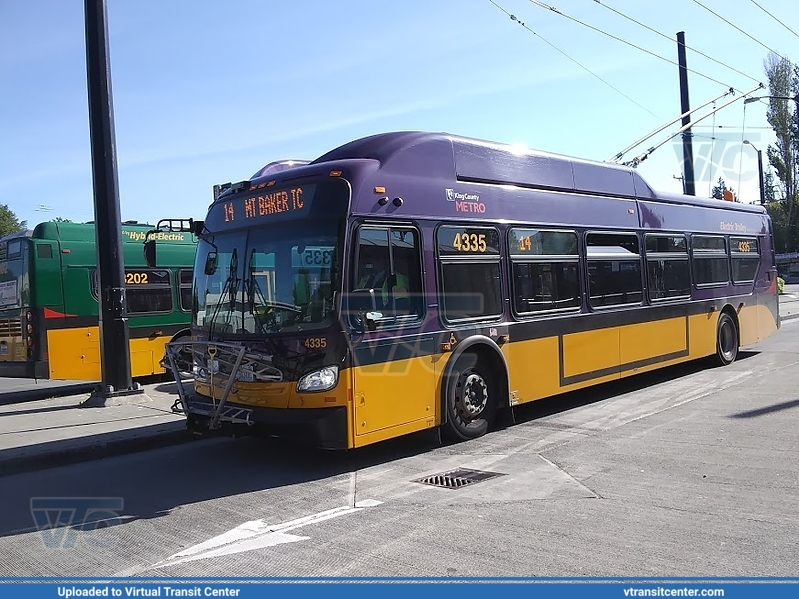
<point>16,390</point>
<point>51,432</point>
<point>57,431</point>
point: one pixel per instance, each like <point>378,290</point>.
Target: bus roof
<point>466,159</point>
<point>132,232</point>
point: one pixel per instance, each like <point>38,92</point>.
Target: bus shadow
<point>154,483</point>
<point>574,399</point>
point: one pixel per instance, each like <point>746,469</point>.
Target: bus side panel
<point>655,341</point>
<point>145,354</point>
<point>768,318</point>
<point>749,322</point>
<point>590,354</point>
<point>74,353</point>
<point>702,334</point>
<point>534,368</point>
<point>393,393</point>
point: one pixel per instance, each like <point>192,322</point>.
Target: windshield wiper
<point>232,283</point>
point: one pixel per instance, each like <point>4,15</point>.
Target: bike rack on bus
<point>226,354</point>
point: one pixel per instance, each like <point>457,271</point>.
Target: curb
<point>66,452</point>
<point>24,395</point>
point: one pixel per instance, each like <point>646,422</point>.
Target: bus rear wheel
<point>471,400</point>
<point>726,340</point>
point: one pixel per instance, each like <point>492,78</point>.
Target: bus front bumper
<point>325,428</point>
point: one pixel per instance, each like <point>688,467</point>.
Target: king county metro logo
<point>458,196</point>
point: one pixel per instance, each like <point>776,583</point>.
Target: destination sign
<point>268,205</point>
<point>460,241</point>
<point>262,205</point>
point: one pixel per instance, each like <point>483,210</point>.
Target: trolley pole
<point>114,333</point>
<point>687,147</point>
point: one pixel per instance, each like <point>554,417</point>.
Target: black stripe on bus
<point>403,346</point>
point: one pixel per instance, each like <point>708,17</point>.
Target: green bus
<point>49,302</point>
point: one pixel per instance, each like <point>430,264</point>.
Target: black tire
<point>726,340</point>
<point>470,400</point>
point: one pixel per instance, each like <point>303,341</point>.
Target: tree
<point>768,187</point>
<point>783,80</point>
<point>9,223</point>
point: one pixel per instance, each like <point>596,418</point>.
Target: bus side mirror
<point>210,263</point>
<point>363,304</point>
<point>149,253</point>
<point>197,227</point>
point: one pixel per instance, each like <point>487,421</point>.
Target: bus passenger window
<point>667,266</point>
<point>745,259</point>
<point>470,272</point>
<point>148,291</point>
<point>614,269</point>
<point>545,270</point>
<point>710,263</point>
<point>185,277</point>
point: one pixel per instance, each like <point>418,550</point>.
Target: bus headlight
<point>319,380</point>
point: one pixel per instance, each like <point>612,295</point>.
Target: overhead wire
<point>514,18</point>
<point>624,41</point>
<point>739,29</point>
<point>775,18</point>
<point>668,37</point>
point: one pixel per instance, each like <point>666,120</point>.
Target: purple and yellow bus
<point>413,280</point>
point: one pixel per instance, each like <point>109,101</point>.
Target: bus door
<point>393,374</point>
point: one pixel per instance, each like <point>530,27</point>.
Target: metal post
<point>760,175</point>
<point>114,333</point>
<point>687,148</point>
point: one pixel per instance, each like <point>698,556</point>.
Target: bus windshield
<point>272,279</point>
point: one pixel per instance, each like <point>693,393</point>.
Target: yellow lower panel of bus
<point>398,393</point>
<point>590,352</point>
<point>593,357</point>
<point>74,354</point>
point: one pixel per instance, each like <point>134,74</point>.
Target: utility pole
<point>687,148</point>
<point>114,333</point>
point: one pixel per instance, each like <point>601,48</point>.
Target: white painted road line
<point>257,534</point>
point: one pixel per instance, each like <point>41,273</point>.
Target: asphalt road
<point>687,472</point>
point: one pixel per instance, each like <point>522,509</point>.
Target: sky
<point>209,92</point>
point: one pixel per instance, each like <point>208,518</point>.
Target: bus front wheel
<point>726,340</point>
<point>470,401</point>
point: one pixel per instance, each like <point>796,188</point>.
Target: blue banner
<point>390,588</point>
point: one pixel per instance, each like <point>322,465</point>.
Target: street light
<point>794,98</point>
<point>750,100</point>
<point>759,172</point>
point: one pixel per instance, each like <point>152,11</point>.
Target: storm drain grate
<point>457,479</point>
